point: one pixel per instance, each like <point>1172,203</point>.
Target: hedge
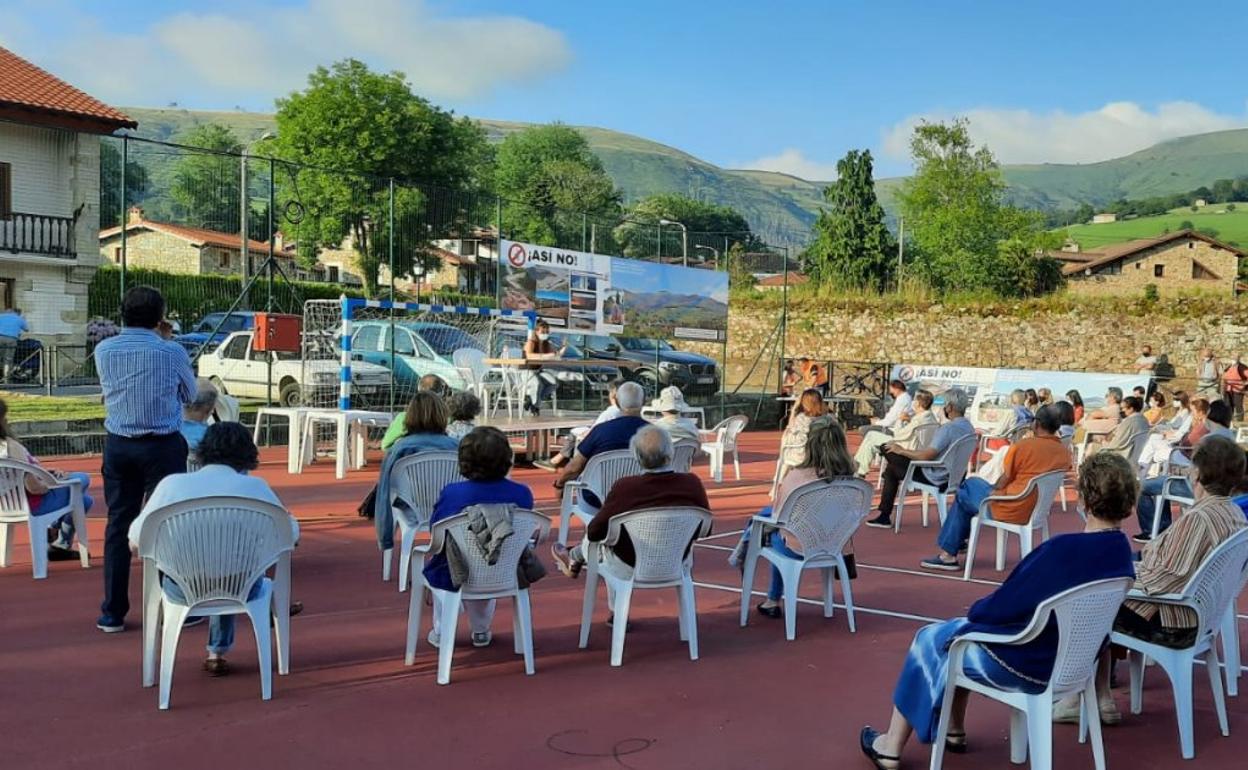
<point>191,297</point>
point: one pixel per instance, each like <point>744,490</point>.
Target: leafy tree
<point>1223,191</point>
<point>708,224</point>
<point>352,118</point>
<point>137,182</point>
<point>966,238</point>
<point>1230,207</point>
<point>1186,224</point>
<point>552,184</point>
<point>204,187</point>
<point>852,246</point>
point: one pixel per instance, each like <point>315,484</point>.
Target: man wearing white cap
<point>671,402</point>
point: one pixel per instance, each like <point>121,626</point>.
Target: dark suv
<point>661,364</point>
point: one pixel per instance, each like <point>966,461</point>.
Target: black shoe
<point>57,553</point>
<point>1142,538</point>
<point>528,404</point>
<point>881,522</point>
<point>938,563</point>
<point>772,612</point>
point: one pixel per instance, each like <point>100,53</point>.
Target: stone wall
<point>1081,339</point>
<point>1185,265</point>
<point>154,250</point>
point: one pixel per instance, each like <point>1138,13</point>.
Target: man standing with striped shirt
<point>146,379</point>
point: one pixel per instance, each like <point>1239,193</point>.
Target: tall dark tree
<point>205,185</point>
<point>852,245</point>
<point>371,123</point>
<point>553,186</point>
<point>137,182</point>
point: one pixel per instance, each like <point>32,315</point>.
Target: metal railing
<point>41,234</point>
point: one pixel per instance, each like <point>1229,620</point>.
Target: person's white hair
<point>630,396</point>
<point>957,400</point>
<point>205,397</point>
<point>652,446</point>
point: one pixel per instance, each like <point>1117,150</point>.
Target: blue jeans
<point>1144,507</point>
<point>220,627</point>
<point>776,589</point>
<point>957,527</point>
<point>58,497</point>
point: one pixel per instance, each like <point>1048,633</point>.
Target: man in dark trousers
<point>146,378</point>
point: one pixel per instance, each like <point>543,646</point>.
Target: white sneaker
<point>482,639</point>
<point>433,638</point>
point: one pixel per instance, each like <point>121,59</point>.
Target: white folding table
<point>350,432</point>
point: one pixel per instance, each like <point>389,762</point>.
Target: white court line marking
<point>898,570</point>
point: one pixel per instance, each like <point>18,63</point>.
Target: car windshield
<point>235,323</point>
<point>445,340</point>
<point>637,343</point>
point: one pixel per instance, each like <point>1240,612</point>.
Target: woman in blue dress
<point>1108,488</point>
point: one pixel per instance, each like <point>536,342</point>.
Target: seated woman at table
<point>1108,487</point>
<point>424,425</point>
<point>539,385</point>
<point>826,457</point>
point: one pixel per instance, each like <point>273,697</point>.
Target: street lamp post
<point>684,238</point>
<point>244,210</point>
<point>711,249</point>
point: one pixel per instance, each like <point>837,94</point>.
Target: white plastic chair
<point>1045,487</point>
<point>485,581</point>
<point>1085,615</point>
<point>1012,436</point>
<point>216,549</point>
<point>660,537</point>
<point>416,481</point>
<point>1169,492</point>
<point>783,465</point>
<point>1209,592</point>
<point>600,474</point>
<point>722,439</point>
<point>821,516</point>
<point>15,510</point>
<point>683,453</point>
<point>954,460</point>
<point>471,365</point>
<point>920,437</point>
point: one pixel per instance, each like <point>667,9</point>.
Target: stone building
<point>1183,261</point>
<point>188,250</point>
<point>49,197</point>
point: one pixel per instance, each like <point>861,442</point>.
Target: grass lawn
<point>1232,226</point>
<point>24,407</point>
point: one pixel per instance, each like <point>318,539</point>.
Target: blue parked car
<point>201,335</point>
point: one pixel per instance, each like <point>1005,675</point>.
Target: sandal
<point>955,743</point>
<point>216,666</point>
<point>564,561</point>
<point>866,741</point>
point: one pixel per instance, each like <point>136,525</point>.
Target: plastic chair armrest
<point>1175,599</point>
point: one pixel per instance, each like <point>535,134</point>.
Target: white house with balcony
<point>49,197</point>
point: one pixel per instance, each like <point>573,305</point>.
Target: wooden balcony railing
<point>40,234</point>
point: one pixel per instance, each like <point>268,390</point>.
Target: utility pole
<point>243,206</point>
<point>901,248</point>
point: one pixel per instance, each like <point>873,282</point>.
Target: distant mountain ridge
<point>782,208</point>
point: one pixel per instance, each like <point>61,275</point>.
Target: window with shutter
<point>6,191</point>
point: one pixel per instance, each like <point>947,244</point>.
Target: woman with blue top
<point>1108,488</point>
<point>484,460</point>
<point>424,427</point>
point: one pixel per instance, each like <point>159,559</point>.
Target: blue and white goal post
<point>369,334</point>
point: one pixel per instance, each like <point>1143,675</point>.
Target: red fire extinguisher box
<point>278,332</point>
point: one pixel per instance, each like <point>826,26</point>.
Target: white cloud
<point>269,50</point>
<point>1117,129</point>
<point>793,161</point>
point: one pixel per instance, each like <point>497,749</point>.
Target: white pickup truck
<point>236,369</point>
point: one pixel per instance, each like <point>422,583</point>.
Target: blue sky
<point>637,276</point>
<point>784,85</point>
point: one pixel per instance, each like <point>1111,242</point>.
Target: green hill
<point>1229,226</point>
<point>781,208</point>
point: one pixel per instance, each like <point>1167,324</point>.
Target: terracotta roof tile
<point>1109,254</point>
<point>196,235</point>
<point>26,86</point>
<point>795,279</point>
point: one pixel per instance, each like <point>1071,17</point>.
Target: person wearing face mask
<point>897,458</point>
<point>539,385</point>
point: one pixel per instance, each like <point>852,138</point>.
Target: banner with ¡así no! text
<point>587,293</point>
<point>989,389</point>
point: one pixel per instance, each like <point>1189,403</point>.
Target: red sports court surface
<point>71,697</point>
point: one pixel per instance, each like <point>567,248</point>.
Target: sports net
<point>393,346</point>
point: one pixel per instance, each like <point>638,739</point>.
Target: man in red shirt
<point>658,486</point>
